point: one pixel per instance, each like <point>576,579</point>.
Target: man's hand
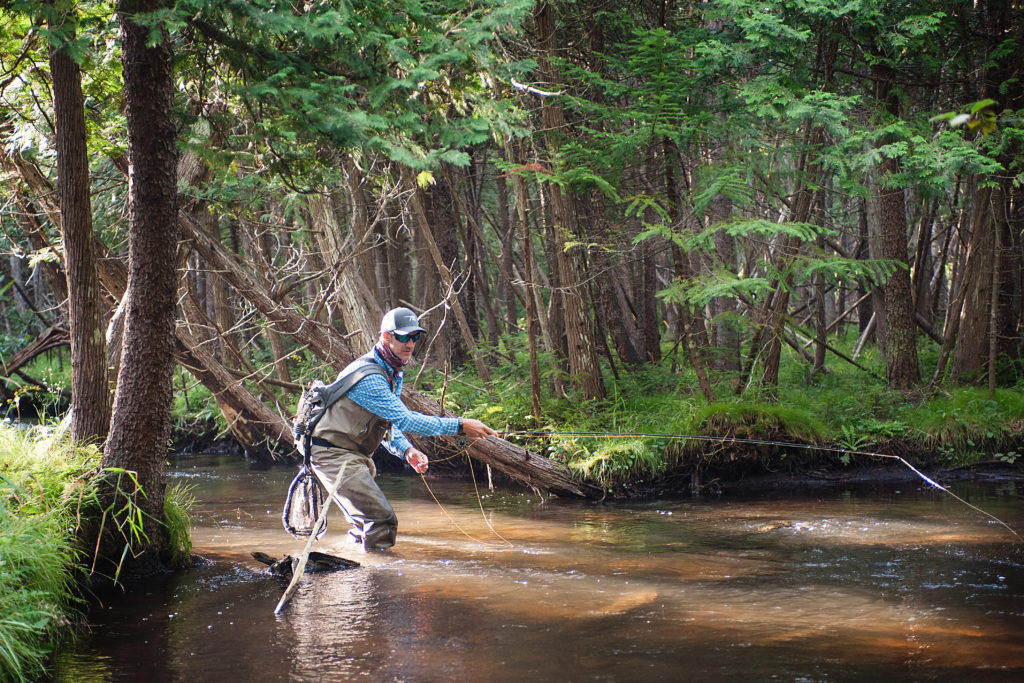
<point>475,429</point>
<point>418,460</point>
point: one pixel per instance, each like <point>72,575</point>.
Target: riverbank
<point>43,488</point>
<point>649,438</point>
<point>49,493</point>
<point>726,467</point>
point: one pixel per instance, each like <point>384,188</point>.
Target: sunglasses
<point>415,336</point>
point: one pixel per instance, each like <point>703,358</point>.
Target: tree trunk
<point>90,395</point>
<point>351,295</point>
<point>924,264</point>
<point>363,230</point>
<point>649,317</point>
<point>140,425</point>
<point>507,236</point>
<point>972,348</point>
<point>682,271</point>
<point>725,333</point>
<point>584,367</point>
<point>532,310</point>
<point>445,275</point>
<point>399,266</point>
<point>610,300</point>
<point>440,228</point>
<point>778,303</point>
<point>28,216</point>
<point>901,365</point>
<point>865,309</point>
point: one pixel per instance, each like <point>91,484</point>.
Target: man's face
<point>402,349</point>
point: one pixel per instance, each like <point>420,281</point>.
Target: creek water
<point>883,583</point>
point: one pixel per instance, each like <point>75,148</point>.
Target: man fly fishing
<point>370,414</point>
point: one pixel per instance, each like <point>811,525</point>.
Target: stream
<point>894,582</point>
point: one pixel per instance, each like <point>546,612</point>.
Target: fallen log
<point>54,337</point>
<point>536,471</point>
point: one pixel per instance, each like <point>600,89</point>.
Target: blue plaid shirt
<point>374,394</point>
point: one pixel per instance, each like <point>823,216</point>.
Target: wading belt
<point>323,443</point>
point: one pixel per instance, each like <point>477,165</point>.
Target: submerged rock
<point>316,563</point>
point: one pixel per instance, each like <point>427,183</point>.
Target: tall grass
<point>48,489</point>
<point>41,485</point>
<point>177,503</point>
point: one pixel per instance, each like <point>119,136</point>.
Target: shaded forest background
<point>230,194</point>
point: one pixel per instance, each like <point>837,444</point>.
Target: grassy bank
<point>42,488</point>
<point>846,408</point>
<point>47,492</point>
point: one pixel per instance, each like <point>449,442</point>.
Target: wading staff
<point>301,566</point>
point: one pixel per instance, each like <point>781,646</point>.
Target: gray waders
<point>347,435</point>
<point>373,520</point>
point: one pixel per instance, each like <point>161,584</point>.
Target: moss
<point>966,425</point>
<point>759,420</point>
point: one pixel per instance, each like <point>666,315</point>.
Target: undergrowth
<point>48,490</point>
<point>846,407</point>
<point>40,486</point>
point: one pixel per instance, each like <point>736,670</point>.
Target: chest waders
<point>305,494</point>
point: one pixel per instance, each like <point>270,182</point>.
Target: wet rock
<point>316,563</point>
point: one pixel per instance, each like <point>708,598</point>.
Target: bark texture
<point>140,425</point>
<point>90,396</point>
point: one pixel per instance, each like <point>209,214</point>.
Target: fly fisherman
<point>370,412</point>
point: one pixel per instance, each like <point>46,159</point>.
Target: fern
<point>701,290</point>
<point>838,269</point>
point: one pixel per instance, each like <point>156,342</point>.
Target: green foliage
<point>845,408</point>
<point>178,502</point>
<point>42,485</point>
<point>730,182</point>
<point>757,229</point>
<point>796,270</point>
<point>967,419</point>
<point>194,406</point>
<point>611,463</point>
<point>396,78</point>
<point>979,116</point>
<point>46,402</point>
<point>48,489</point>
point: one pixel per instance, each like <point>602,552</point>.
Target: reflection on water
<point>899,583</point>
